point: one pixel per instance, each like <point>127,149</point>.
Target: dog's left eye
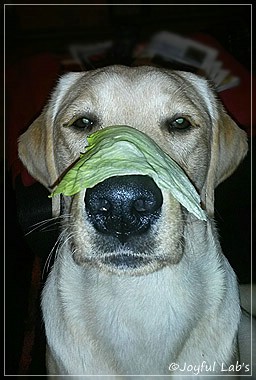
<point>178,124</point>
<point>83,123</point>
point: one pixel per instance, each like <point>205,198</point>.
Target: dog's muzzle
<point>124,206</point>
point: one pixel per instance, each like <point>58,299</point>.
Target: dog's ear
<point>36,146</point>
<point>35,149</point>
<point>228,147</point>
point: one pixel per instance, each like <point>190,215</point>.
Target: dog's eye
<point>83,123</point>
<point>178,124</point>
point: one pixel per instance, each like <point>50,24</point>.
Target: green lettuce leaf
<point>123,150</point>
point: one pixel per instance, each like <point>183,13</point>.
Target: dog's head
<point>127,223</point>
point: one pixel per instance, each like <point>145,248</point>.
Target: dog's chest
<point>132,318</point>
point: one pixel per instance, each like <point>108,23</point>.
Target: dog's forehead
<point>130,89</point>
<point>116,86</point>
<point>136,80</point>
<point>130,76</point>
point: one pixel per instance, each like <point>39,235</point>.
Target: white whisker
<point>54,251</point>
<point>60,242</point>
<point>47,224</point>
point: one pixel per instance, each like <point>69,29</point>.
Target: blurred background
<point>31,29</point>
<point>44,41</point>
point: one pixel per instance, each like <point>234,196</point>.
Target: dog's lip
<point>126,261</point>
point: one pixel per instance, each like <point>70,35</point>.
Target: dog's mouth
<point>131,264</point>
<point>125,261</point>
<point>135,257</point>
<point>139,255</point>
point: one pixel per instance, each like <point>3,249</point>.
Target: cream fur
<point>182,308</point>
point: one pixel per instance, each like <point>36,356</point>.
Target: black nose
<point>124,206</point>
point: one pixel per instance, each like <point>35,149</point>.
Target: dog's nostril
<point>124,205</point>
<point>102,205</point>
<point>143,205</point>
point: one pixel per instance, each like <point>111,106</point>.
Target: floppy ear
<point>36,145</point>
<point>228,147</point>
<point>35,149</point>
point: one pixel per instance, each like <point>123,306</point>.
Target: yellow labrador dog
<point>139,286</point>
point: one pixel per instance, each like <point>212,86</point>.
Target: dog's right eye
<point>83,123</point>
